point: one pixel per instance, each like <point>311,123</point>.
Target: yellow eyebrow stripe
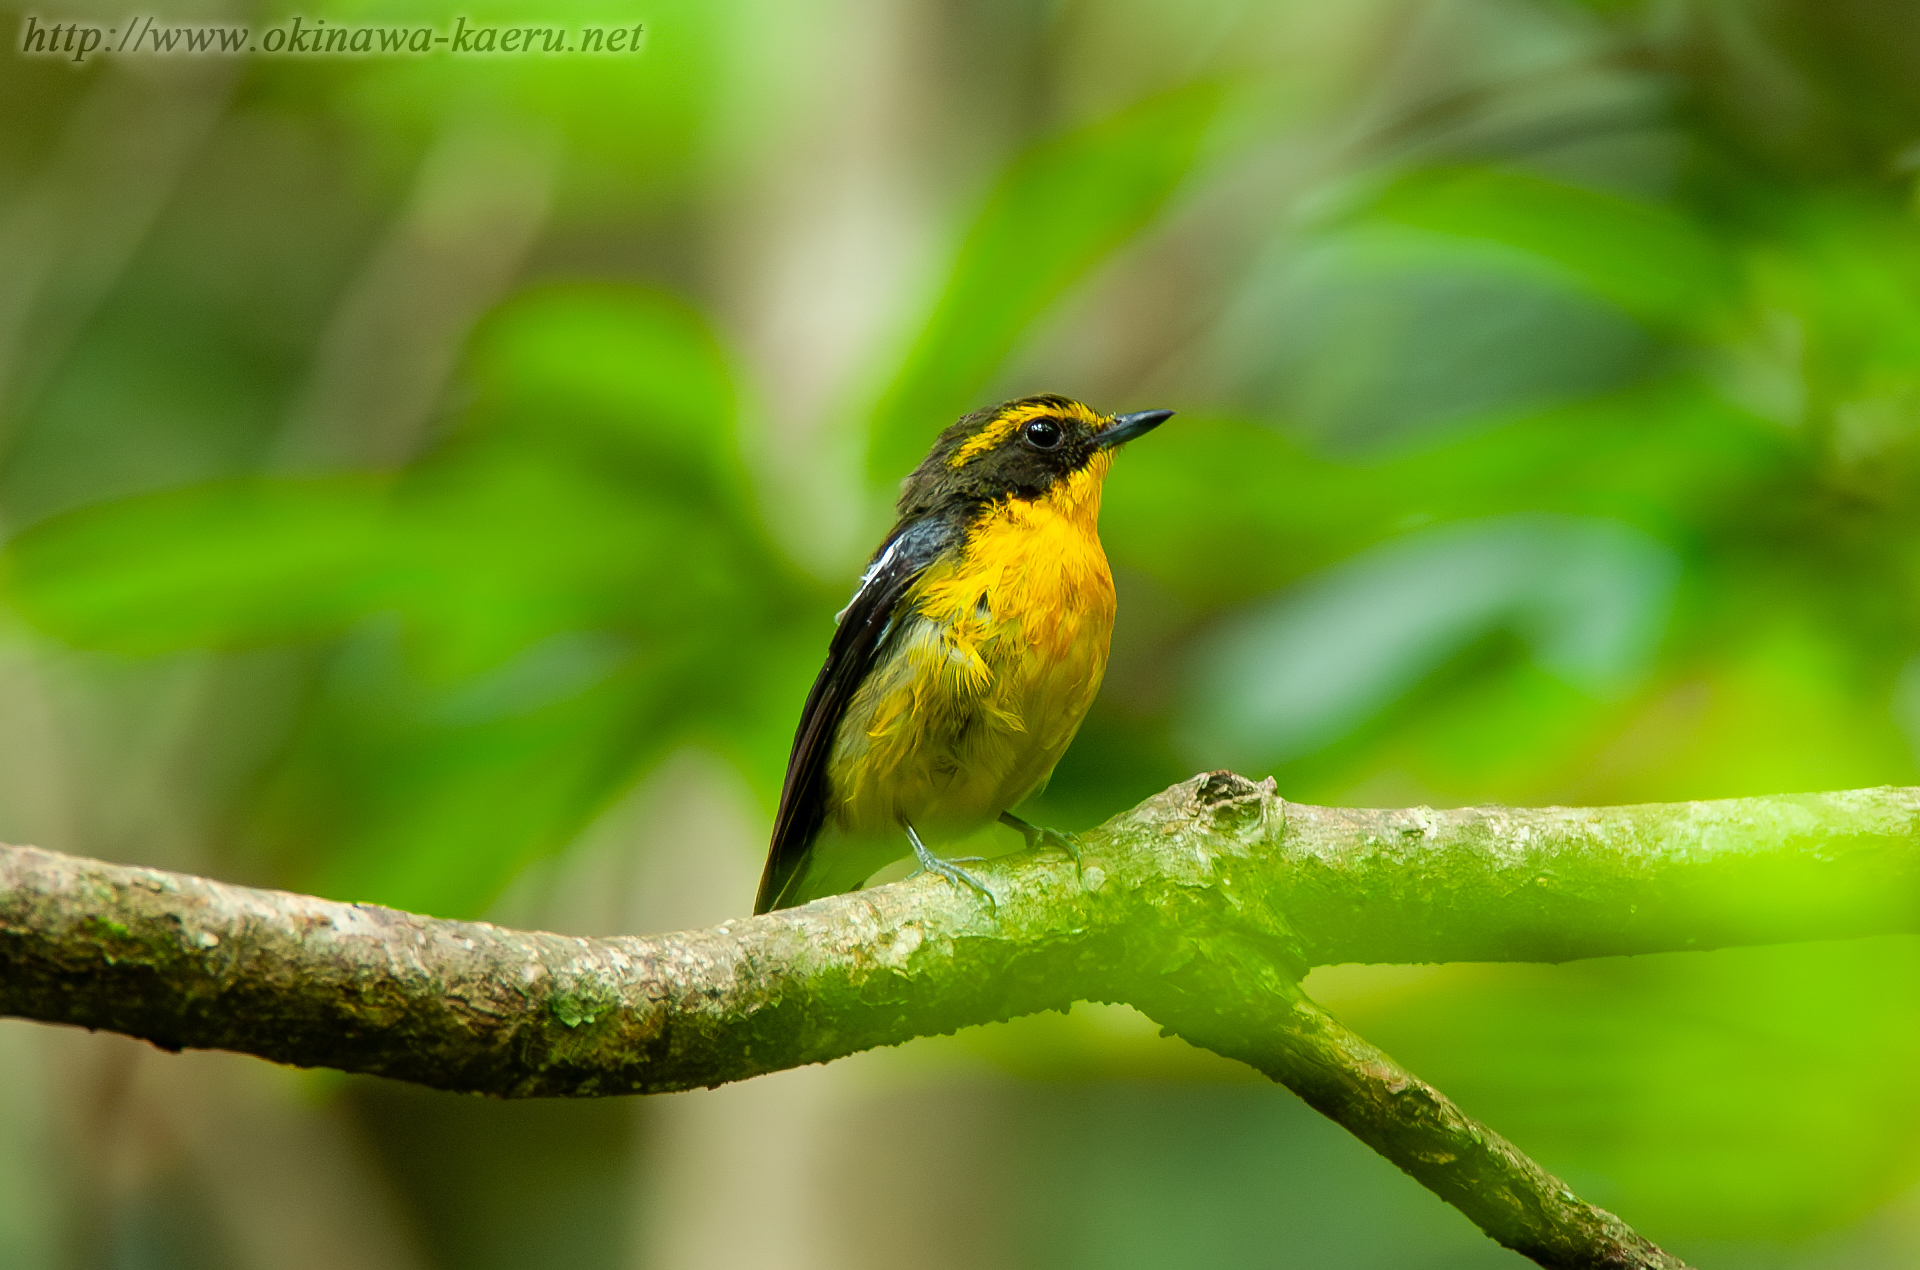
<point>1009,423</point>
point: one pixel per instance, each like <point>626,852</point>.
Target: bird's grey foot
<point>948,869</point>
<point>1037,837</point>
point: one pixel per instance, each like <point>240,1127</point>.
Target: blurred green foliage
<point>1624,1070</point>
<point>1059,210</point>
<point>568,584</point>
<point>1549,391</point>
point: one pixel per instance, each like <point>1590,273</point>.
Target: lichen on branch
<point>1203,906</point>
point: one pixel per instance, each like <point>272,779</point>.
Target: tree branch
<point>1295,1042</point>
<point>1203,906</point>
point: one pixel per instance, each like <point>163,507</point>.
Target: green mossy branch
<point>1203,906</point>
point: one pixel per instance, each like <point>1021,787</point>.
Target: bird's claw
<point>949,869</point>
<point>1038,837</point>
<point>1054,838</point>
<point>958,876</point>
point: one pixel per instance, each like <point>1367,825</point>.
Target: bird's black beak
<point>1125,428</point>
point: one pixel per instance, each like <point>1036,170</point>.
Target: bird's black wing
<point>863,628</point>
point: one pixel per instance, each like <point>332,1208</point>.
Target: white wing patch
<point>866,579</point>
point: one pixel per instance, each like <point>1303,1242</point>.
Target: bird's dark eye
<point>1043,434</point>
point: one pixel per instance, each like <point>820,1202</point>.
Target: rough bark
<point>1203,906</point>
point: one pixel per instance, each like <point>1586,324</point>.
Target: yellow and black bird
<point>966,659</point>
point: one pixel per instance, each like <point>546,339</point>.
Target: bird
<point>960,670</point>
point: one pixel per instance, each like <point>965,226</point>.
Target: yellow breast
<point>987,679</point>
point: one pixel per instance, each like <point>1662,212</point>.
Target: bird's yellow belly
<point>983,686</point>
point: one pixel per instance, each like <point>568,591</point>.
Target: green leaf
<point>1589,597</point>
<point>629,368</point>
<point>433,800</point>
<point>1649,260</point>
<point>1381,336</point>
<point>220,565</point>
<point>1220,511</point>
<point>1060,209</point>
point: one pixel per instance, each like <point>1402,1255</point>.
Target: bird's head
<point>1031,449</point>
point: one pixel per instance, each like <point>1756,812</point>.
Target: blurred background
<point>429,480</point>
